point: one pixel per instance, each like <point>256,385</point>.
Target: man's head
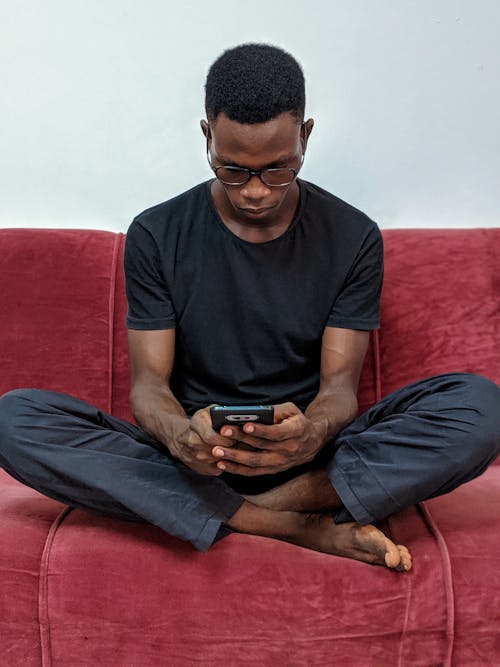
<point>255,102</point>
<point>254,83</point>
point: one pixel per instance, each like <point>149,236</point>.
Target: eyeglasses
<point>276,178</point>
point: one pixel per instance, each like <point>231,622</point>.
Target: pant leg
<point>421,441</point>
<point>71,451</point>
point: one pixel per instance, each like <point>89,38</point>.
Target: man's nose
<point>255,188</point>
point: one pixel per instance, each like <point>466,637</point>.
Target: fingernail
<point>249,428</point>
<point>221,466</point>
<point>228,433</point>
<point>219,452</point>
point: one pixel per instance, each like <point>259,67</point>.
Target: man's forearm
<point>156,410</point>
<point>330,412</point>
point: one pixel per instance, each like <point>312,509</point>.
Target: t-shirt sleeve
<point>149,303</point>
<point>358,304</point>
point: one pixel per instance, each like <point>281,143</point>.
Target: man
<point>256,287</point>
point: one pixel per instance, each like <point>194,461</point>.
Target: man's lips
<point>256,211</point>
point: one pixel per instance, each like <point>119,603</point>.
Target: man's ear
<point>205,128</point>
<point>307,128</point>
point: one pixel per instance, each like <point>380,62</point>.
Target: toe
<point>393,555</point>
<point>381,549</point>
<point>405,558</point>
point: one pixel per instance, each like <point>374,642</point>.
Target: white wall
<point>101,102</point>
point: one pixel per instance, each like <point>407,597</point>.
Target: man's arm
<point>153,405</point>
<point>296,438</point>
<point>342,355</point>
<point>156,409</point>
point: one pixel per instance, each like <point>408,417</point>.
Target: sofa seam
<point>43,601</point>
<point>404,631</point>
<point>111,319</point>
<point>448,580</point>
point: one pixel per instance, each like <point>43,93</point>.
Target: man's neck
<point>258,231</point>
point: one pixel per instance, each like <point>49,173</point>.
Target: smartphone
<point>239,415</point>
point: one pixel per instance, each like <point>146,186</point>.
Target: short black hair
<point>254,83</point>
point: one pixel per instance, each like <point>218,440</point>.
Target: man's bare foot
<point>352,540</point>
<point>319,533</point>
<point>310,492</point>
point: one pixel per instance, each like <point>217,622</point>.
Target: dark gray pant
<point>421,441</point>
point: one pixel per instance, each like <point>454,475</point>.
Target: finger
<point>226,430</point>
<point>229,434</point>
<point>211,470</point>
<point>203,457</point>
<point>198,450</point>
<point>292,427</point>
<point>283,447</point>
<point>252,441</point>
<point>238,469</point>
<point>248,458</point>
<point>232,434</point>
<point>200,423</point>
<point>285,410</point>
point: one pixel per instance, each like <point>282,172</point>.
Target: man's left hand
<point>292,440</point>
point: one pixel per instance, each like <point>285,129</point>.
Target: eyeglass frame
<point>258,172</point>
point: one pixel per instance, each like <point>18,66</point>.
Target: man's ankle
<point>255,520</point>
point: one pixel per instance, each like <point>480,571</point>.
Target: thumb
<point>284,410</point>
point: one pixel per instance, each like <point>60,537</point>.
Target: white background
<point>101,102</point>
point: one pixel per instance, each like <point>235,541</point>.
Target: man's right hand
<point>159,413</point>
<point>192,440</point>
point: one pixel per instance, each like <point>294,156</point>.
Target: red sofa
<point>82,589</point>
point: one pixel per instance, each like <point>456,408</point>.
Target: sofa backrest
<point>57,314</point>
<point>63,306</point>
<point>440,305</point>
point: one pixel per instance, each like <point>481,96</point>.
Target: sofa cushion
<point>57,311</point>
<point>27,522</point>
<point>439,304</point>
<point>111,592</point>
<point>467,524</point>
<point>249,600</point>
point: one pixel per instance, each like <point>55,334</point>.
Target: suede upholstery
<point>83,589</point>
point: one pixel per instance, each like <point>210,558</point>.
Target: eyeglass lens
<point>237,176</point>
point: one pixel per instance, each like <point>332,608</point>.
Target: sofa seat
<point>108,592</point>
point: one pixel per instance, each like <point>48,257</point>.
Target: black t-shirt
<point>249,317</point>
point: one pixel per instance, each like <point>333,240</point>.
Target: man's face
<point>280,142</point>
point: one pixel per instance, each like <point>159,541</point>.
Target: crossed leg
<point>422,441</point>
<point>293,513</point>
